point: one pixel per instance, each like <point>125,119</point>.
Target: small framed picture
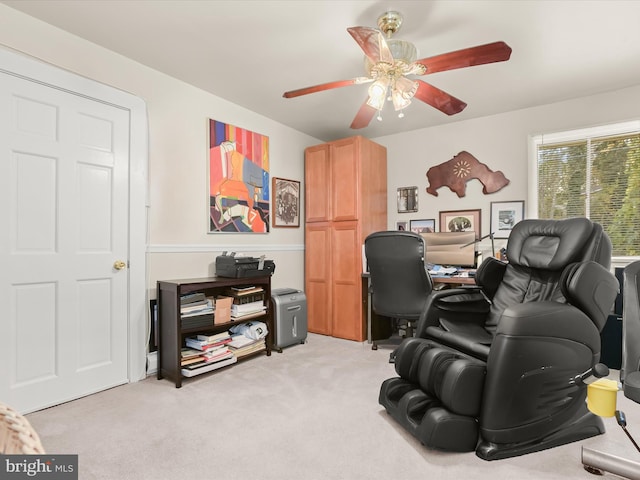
<point>423,226</point>
<point>402,226</point>
<point>504,215</point>
<point>286,202</point>
<point>461,221</point>
<point>407,199</point>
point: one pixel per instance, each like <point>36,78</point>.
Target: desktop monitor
<point>456,249</point>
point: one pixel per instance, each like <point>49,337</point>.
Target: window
<point>593,173</point>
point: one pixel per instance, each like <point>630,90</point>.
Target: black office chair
<point>400,282</point>
<point>600,462</point>
<point>630,366</point>
<point>498,369</point>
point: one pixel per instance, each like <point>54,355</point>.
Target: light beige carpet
<point>310,412</point>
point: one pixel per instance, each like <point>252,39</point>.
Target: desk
<point>452,280</point>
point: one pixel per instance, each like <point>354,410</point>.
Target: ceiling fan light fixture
<point>379,87</point>
<point>402,92</point>
<point>376,102</point>
<point>400,102</point>
<point>378,93</point>
<point>406,86</point>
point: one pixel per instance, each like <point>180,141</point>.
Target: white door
<point>64,214</point>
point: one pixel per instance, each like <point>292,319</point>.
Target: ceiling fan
<point>389,63</point>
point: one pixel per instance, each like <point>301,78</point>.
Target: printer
<point>240,266</point>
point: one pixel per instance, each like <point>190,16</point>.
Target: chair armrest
<point>549,319</point>
<point>592,288</point>
<point>464,304</point>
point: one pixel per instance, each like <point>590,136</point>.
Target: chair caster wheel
<point>593,470</point>
<point>374,347</point>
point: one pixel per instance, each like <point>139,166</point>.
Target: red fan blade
<point>372,43</point>
<point>439,99</point>
<point>326,86</point>
<point>364,116</point>
<point>467,57</point>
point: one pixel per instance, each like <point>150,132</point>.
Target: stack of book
<point>196,310</point>
<point>246,294</point>
<point>247,310</point>
<point>204,353</point>
<point>205,342</point>
<point>241,345</point>
<point>248,302</point>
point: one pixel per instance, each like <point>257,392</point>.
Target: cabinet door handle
<point>294,308</point>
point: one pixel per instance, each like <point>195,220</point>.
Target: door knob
<point>119,265</point>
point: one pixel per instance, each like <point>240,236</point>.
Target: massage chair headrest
<point>553,244</point>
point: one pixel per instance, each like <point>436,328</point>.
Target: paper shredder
<point>290,317</point>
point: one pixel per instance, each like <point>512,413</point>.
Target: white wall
<point>499,141</point>
<point>178,243</point>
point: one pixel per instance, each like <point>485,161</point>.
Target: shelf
<point>218,327</point>
<point>246,317</point>
<point>171,335</point>
<point>208,368</point>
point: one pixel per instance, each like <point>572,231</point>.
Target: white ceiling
<point>251,52</point>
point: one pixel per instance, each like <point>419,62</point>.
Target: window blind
<point>597,176</point>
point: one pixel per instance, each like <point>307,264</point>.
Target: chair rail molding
<point>231,247</point>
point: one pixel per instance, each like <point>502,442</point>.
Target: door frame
<point>29,68</point>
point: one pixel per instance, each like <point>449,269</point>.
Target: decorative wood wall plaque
<point>459,170</point>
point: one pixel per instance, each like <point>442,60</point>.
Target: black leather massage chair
<point>498,368</point>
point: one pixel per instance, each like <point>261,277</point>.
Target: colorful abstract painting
<point>238,180</point>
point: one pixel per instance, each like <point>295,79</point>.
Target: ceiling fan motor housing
<point>404,53</point>
<point>390,22</point>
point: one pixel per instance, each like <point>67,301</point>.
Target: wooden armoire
<point>345,200</point>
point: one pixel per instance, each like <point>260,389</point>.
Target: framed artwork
<point>238,180</point>
<point>461,221</point>
<point>423,226</point>
<point>504,215</point>
<point>407,199</point>
<point>401,226</point>
<point>286,202</point>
